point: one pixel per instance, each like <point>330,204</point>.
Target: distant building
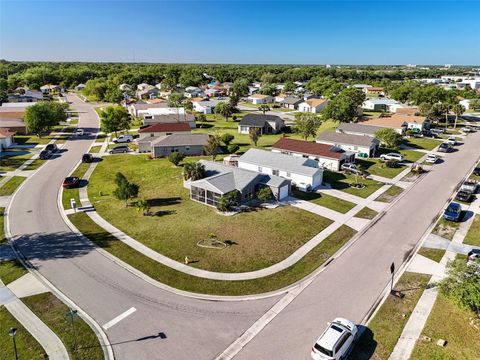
<point>265,124</point>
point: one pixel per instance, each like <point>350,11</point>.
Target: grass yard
<point>95,149</point>
<point>342,181</point>
<point>445,228</point>
<point>375,166</point>
<point>15,158</point>
<point>11,270</point>
<point>432,254</point>
<point>11,185</point>
<point>473,235</point>
<point>73,193</point>
<point>35,164</point>
<point>53,313</point>
<point>451,323</point>
<point>366,213</point>
<point>260,238</point>
<point>391,193</point>
<point>328,201</point>
<point>27,346</point>
<point>32,139</point>
<point>179,280</point>
<point>385,328</point>
<point>422,143</point>
<point>2,222</point>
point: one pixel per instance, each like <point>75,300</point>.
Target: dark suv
<point>445,147</point>
<point>51,147</point>
<point>45,154</point>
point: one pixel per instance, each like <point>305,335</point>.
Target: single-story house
<point>312,105</point>
<point>150,133</point>
<point>144,86</point>
<point>221,179</point>
<point>23,94</point>
<point>372,90</point>
<point>386,122</point>
<point>47,89</point>
<point>150,119</point>
<point>213,92</point>
<point>280,97</point>
<point>291,102</point>
<point>378,104</point>
<point>358,129</point>
<point>12,124</point>
<point>134,108</point>
<point>298,170</point>
<point>149,92</point>
<point>328,157</point>
<point>205,107</point>
<point>353,143</point>
<point>267,124</point>
<point>187,144</point>
<point>6,139</point>
<point>400,122</point>
<point>192,92</point>
<point>80,87</point>
<point>252,90</point>
<point>258,99</point>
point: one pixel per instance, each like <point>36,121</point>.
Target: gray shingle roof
<point>181,140</point>
<point>341,138</point>
<point>278,161</point>
<point>258,119</point>
<point>357,128</point>
<point>291,100</point>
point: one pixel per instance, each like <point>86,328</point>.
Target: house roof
<point>395,121</point>
<point>291,100</point>
<point>342,138</point>
<point>181,140</point>
<point>259,96</point>
<point>5,133</point>
<point>166,127</point>
<point>406,110</point>
<point>7,122</point>
<point>315,102</point>
<point>258,120</point>
<point>145,106</point>
<point>373,88</point>
<point>283,162</point>
<point>357,128</point>
<point>157,101</point>
<point>308,147</point>
<point>381,101</point>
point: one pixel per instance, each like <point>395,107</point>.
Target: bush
<point>228,201</point>
<point>227,138</point>
<point>391,163</point>
<point>264,194</point>
<point>176,158</point>
<point>233,148</point>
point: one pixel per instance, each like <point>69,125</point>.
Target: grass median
<point>11,270</point>
<point>179,280</point>
<point>73,192</point>
<point>432,254</point>
<point>366,213</point>
<point>11,185</point>
<point>473,235</point>
<point>389,195</point>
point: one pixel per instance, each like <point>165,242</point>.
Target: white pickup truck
<point>123,139</point>
<point>470,186</point>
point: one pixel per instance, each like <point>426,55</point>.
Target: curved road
<point>203,329</point>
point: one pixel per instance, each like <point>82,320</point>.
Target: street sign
<point>73,204</point>
<point>392,268</point>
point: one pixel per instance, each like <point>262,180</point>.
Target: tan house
<point>312,105</point>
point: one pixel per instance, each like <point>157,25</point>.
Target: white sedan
<point>431,158</point>
<point>392,156</point>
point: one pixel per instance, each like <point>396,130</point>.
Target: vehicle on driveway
<point>45,154</point>
<point>473,257</point>
<point>123,139</point>
<point>79,132</point>
<point>429,133</point>
<point>121,149</point>
<point>70,182</point>
<point>351,168</point>
<point>438,130</point>
<point>465,196</point>
<point>453,212</point>
<point>476,171</point>
<point>87,158</point>
<point>51,147</point>
<point>431,158</point>
<point>445,147</point>
<point>452,140</point>
<point>470,186</point>
<point>392,156</point>
<point>336,342</point>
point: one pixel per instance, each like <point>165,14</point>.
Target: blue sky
<point>292,32</point>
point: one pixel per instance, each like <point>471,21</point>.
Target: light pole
<point>71,314</point>
<point>12,332</point>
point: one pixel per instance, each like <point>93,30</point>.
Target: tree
<point>211,147</point>
<point>289,87</point>
<point>389,137</point>
<point>268,89</point>
<point>228,201</point>
<point>474,104</point>
<point>254,135</point>
<point>232,148</point>
<point>227,138</point>
<point>114,118</point>
<point>343,108</point>
<point>193,171</point>
<point>307,124</point>
<point>240,87</point>
<point>143,206</point>
<point>176,158</point>
<point>175,100</point>
<point>120,179</point>
<point>462,284</point>
<point>224,109</point>
<point>264,194</point>
<point>44,115</point>
<point>234,99</point>
<point>264,108</point>
<point>458,110</point>
<point>125,190</point>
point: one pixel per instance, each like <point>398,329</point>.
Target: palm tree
<point>224,109</point>
<point>264,108</point>
<point>143,206</point>
<point>193,171</point>
<point>458,110</point>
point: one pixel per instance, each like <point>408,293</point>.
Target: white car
<point>431,158</point>
<point>123,139</point>
<point>79,132</point>
<point>452,140</point>
<point>350,167</point>
<point>467,129</point>
<point>392,156</point>
<point>336,342</point>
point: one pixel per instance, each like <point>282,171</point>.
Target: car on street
<point>70,182</point>
<point>336,342</point>
<point>120,149</point>
<point>392,156</point>
<point>45,154</point>
<point>445,147</point>
<point>465,196</point>
<point>431,158</point>
<point>52,147</point>
<point>470,186</point>
<point>79,132</point>
<point>123,139</point>
<point>453,212</point>
<point>473,257</point>
<point>467,129</point>
<point>476,171</point>
<point>452,140</point>
<point>87,158</point>
<point>350,168</point>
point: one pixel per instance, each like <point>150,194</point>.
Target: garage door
<point>317,180</point>
<point>283,192</point>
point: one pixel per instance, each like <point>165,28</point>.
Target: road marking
<point>119,318</point>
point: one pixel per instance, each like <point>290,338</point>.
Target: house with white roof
<point>312,105</point>
<point>351,143</point>
<point>258,99</point>
<point>378,104</point>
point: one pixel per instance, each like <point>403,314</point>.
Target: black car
<point>465,196</point>
<point>45,154</point>
<point>87,158</point>
<point>51,147</point>
<point>445,147</point>
<point>428,133</point>
<point>121,149</point>
<point>476,171</point>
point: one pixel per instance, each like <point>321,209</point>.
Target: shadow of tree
<point>164,201</point>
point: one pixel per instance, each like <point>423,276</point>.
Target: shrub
<point>176,158</point>
<point>227,138</point>
<point>264,194</point>
<point>228,201</point>
<point>391,163</point>
<point>233,148</point>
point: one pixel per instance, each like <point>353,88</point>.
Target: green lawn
<point>328,201</point>
<point>473,235</point>
<point>73,193</point>
<point>384,330</point>
<point>391,193</point>
<point>179,280</point>
<point>27,346</point>
<point>449,322</point>
<point>422,143</point>
<point>2,222</point>
<point>11,185</point>
<point>95,149</point>
<point>11,270</point>
<point>35,164</point>
<point>432,254</point>
<point>53,313</point>
<point>32,139</point>
<point>366,213</point>
<point>261,237</point>
<point>446,228</point>
<point>342,181</point>
<point>16,158</point>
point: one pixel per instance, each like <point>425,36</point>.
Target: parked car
<point>336,342</point>
<point>452,140</point>
<point>431,158</point>
<point>121,149</point>
<point>79,132</point>
<point>445,147</point>
<point>476,171</point>
<point>438,130</point>
<point>429,133</point>
<point>467,129</point>
<point>473,257</point>
<point>470,186</point>
<point>52,147</point>
<point>350,168</point>
<point>123,139</point>
<point>45,154</point>
<point>453,212</point>
<point>87,158</point>
<point>392,156</point>
<point>70,182</point>
<point>465,196</point>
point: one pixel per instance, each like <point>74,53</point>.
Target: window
<point>187,148</point>
<point>260,169</point>
<point>275,172</point>
<point>152,134</point>
<point>197,193</point>
<point>168,133</point>
<point>342,341</point>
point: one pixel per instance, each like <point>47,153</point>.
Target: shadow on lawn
<point>366,344</point>
<point>164,201</point>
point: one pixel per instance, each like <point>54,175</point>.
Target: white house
<point>312,105</point>
<point>298,170</point>
<point>380,104</point>
<point>6,139</point>
<point>205,106</point>
<point>258,99</point>
<point>348,142</point>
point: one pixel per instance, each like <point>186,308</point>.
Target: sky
<point>279,32</point>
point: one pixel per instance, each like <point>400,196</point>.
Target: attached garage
<point>283,192</point>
